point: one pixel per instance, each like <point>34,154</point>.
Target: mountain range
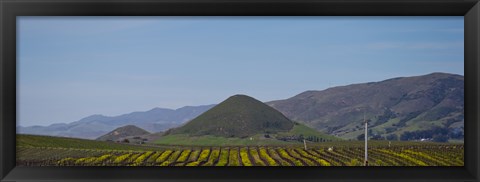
<point>91,127</point>
<point>393,106</point>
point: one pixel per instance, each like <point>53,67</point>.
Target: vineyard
<point>418,155</point>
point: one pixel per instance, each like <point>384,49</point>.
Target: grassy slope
<point>414,124</point>
<point>307,131</point>
<point>220,141</point>
<point>209,140</point>
<point>61,142</point>
<point>256,140</point>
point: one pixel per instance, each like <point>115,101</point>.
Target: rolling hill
<point>240,120</point>
<point>123,132</point>
<point>393,106</point>
<point>238,116</point>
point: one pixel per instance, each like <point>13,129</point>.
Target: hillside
<point>286,138</point>
<point>242,120</point>
<point>393,106</point>
<point>122,133</point>
<point>238,116</point>
<point>94,126</point>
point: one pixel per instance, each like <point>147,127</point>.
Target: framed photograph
<point>239,90</point>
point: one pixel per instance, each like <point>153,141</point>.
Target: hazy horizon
<point>73,67</point>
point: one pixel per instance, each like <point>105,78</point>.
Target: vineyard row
<point>243,156</point>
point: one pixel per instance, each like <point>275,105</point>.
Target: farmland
<point>46,151</point>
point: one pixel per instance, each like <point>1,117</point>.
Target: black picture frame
<point>10,9</point>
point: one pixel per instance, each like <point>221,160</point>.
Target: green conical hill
<point>238,116</point>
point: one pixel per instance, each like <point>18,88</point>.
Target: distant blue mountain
<point>91,127</point>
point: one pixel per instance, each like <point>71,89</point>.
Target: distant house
<point>425,139</point>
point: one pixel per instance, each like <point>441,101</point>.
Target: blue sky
<point>73,67</point>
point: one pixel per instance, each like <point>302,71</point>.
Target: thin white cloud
<point>415,45</point>
<point>432,30</point>
<point>434,45</point>
<point>452,30</point>
<point>384,45</point>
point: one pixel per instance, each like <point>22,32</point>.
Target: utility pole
<point>366,139</point>
<point>305,144</point>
